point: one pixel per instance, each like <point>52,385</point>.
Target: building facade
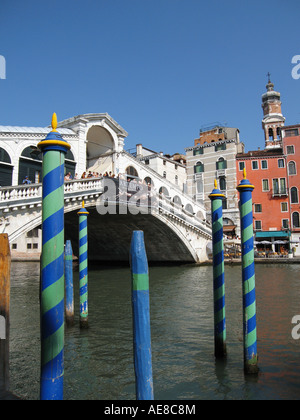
<point>214,157</point>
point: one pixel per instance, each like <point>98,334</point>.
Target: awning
<point>273,234</point>
<point>228,228</point>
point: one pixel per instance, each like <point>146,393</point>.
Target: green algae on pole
<point>248,272</point>
<point>54,149</point>
<point>217,198</point>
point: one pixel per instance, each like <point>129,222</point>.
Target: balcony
<point>280,192</point>
<point>221,172</point>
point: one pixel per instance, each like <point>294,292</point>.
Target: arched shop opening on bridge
<point>6,169</point>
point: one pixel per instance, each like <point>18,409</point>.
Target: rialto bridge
<point>174,224</point>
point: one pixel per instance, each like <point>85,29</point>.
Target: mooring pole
<point>217,198</point>
<point>83,266</point>
<point>54,149</point>
<point>248,272</point>
<point>69,310</point>
<point>5,261</point>
<point>141,318</point>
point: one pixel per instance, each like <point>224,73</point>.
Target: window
<point>294,195</point>
<point>290,150</point>
<point>254,165</point>
<point>165,174</point>
<point>285,223</point>
<point>279,186</point>
<point>292,168</point>
<point>241,166</point>
<point>264,164</point>
<point>164,162</point>
<point>257,225</point>
<point>265,185</point>
<point>280,163</point>
<point>224,204</point>
<point>222,183</point>
<point>292,133</point>
<point>198,151</point>
<point>219,147</point>
<point>257,208</point>
<point>296,220</point>
<point>271,135</point>
<point>28,246</point>
<point>284,207</point>
<point>35,246</point>
<point>221,164</point>
<point>147,162</point>
<point>14,246</point>
<point>199,167</point>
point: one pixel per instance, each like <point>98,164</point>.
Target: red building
<point>291,149</point>
<point>273,172</point>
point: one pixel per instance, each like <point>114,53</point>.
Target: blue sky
<point>160,68</point>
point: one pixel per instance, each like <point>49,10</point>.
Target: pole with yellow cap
<point>216,198</point>
<point>54,149</point>
<point>248,271</point>
<point>83,266</point>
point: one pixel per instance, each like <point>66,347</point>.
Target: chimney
<point>139,150</point>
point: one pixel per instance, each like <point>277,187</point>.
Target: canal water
<point>99,361</point>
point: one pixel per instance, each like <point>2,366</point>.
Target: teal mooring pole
<point>217,198</point>
<point>141,318</point>
<point>248,272</point>
<point>52,288</point>
<point>83,266</point>
<point>69,310</point>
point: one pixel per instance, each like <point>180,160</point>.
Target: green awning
<point>274,234</point>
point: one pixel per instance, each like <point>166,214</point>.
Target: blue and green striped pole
<point>141,318</point>
<point>54,149</point>
<point>69,310</point>
<point>217,198</point>
<point>83,266</point>
<point>249,295</point>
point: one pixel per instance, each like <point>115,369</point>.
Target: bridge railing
<point>33,192</point>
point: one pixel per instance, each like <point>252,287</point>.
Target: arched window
<point>221,164</point>
<point>292,168</point>
<point>132,172</point>
<point>176,200</point>
<point>70,163</point>
<point>6,169</point>
<point>223,183</point>
<point>199,168</point>
<point>189,208</point>
<point>278,131</point>
<point>164,191</point>
<point>294,195</point>
<point>271,134</point>
<point>296,220</point>
<point>30,165</point>
<point>149,181</point>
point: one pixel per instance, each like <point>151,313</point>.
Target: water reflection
<point>99,361</point>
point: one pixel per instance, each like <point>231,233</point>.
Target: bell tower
<point>273,119</point>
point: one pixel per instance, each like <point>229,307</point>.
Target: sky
<point>161,68</point>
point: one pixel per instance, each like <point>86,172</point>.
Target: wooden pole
<point>141,318</point>
<point>5,262</point>
<point>69,310</point>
